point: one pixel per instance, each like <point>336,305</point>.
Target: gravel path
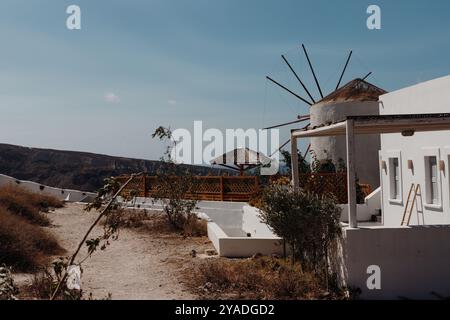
<point>138,265</point>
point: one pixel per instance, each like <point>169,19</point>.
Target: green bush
<point>309,223</point>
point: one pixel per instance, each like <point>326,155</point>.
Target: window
<point>396,178</point>
<point>394,172</point>
<point>432,180</point>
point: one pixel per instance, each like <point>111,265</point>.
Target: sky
<point>136,65</point>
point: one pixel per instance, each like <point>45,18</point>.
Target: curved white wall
<point>367,146</point>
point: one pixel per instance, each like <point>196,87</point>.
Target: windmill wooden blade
<point>312,70</point>
<point>300,119</point>
<point>307,150</point>
<point>290,91</point>
<point>282,146</point>
<point>298,78</point>
<point>345,68</point>
<point>368,75</point>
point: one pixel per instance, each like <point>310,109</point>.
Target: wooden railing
<point>211,188</point>
<point>243,188</point>
<point>334,184</point>
<point>325,183</point>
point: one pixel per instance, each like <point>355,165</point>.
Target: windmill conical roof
<point>355,90</point>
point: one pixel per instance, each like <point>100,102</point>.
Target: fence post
<point>145,185</point>
<point>222,191</point>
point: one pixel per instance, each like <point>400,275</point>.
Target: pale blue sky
<point>172,62</point>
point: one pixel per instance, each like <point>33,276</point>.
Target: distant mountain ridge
<point>73,169</point>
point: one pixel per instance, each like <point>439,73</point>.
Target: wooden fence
<point>325,183</point>
<point>243,188</point>
<point>210,188</point>
<point>334,184</point>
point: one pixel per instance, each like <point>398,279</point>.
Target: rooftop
<point>355,90</point>
<point>241,156</point>
<point>375,124</point>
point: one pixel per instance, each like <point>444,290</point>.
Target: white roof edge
<point>424,83</point>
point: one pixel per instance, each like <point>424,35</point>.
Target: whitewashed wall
<point>413,261</point>
<point>251,223</point>
<point>428,97</point>
<point>61,194</point>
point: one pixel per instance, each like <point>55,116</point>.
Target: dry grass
<point>28,205</point>
<point>195,227</point>
<point>23,245</point>
<point>156,222</point>
<point>258,278</point>
<point>44,284</point>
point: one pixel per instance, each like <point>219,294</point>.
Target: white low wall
<point>242,247</point>
<point>252,223</point>
<point>364,211</point>
<point>61,194</point>
<point>226,214</point>
<point>414,261</point>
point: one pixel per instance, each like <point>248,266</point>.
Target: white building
<point>408,254</point>
<point>421,159</point>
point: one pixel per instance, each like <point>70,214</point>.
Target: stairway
<point>377,217</point>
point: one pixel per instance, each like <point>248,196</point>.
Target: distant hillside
<point>74,170</point>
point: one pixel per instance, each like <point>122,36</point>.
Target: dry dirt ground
<point>139,265</point>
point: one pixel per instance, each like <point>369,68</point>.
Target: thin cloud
<point>172,102</point>
<point>111,97</point>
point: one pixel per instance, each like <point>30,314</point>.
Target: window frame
<point>392,178</point>
<point>429,202</point>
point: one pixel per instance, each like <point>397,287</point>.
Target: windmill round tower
<point>358,97</point>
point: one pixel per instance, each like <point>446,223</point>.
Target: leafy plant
<point>174,186</point>
<point>309,223</point>
<point>303,165</point>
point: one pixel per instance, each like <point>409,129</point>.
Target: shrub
<point>309,223</point>
<point>23,245</point>
<point>195,227</point>
<point>44,284</point>
<point>8,289</point>
<point>155,222</point>
<point>123,218</point>
<point>26,204</point>
<point>174,186</point>
<point>260,278</point>
<point>172,191</point>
